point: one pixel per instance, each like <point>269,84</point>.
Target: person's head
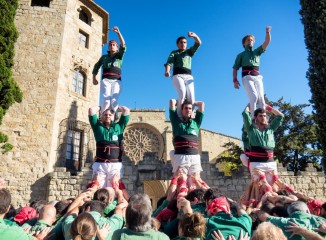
<point>211,194</point>
<point>298,206</point>
<point>94,206</point>
<point>5,200</point>
<point>267,207</point>
<point>38,205</point>
<point>182,43</point>
<point>108,116</point>
<point>196,196</point>
<point>219,204</point>
<point>186,109</point>
<point>248,40</point>
<point>61,207</point>
<point>113,46</point>
<point>279,211</point>
<point>323,210</point>
<point>192,226</point>
<point>103,195</point>
<point>138,213</point>
<point>283,192</point>
<point>261,116</point>
<point>48,214</point>
<point>83,227</point>
<point>267,230</point>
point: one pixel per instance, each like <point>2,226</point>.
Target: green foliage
<point>313,17</point>
<point>6,147</point>
<point>9,90</point>
<point>229,160</point>
<point>296,139</point>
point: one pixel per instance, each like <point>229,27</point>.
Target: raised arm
<point>173,104</point>
<point>194,35</point>
<point>122,40</point>
<point>268,37</point>
<point>93,110</point>
<point>125,111</point>
<point>200,105</point>
<point>274,111</point>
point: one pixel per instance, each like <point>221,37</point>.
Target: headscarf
<point>220,204</point>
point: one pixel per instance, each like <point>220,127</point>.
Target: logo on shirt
<point>115,64</point>
<point>115,138</point>
<point>193,132</point>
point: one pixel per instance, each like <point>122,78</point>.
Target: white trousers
<point>184,85</point>
<point>189,164</point>
<point>255,91</point>
<point>110,92</point>
<point>104,172</point>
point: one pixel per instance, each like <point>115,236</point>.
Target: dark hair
<point>283,192</point>
<point>245,38</point>
<point>11,213</point>
<point>324,206</point>
<point>61,207</point>
<point>102,195</point>
<point>95,205</point>
<point>197,193</point>
<point>211,194</point>
<point>38,205</point>
<point>5,200</point>
<point>186,102</point>
<point>83,227</point>
<point>258,111</point>
<point>267,207</point>
<point>172,205</point>
<point>138,213</point>
<point>193,225</point>
<point>279,211</point>
<point>180,38</point>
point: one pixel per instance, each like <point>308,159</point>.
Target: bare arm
<point>235,78</point>
<point>262,216</point>
<point>93,110</point>
<point>268,37</point>
<point>200,105</point>
<point>173,103</point>
<point>302,231</point>
<point>194,35</point>
<point>79,201</point>
<point>167,70</point>
<point>274,111</point>
<point>237,206</point>
<point>125,111</point>
<point>122,40</point>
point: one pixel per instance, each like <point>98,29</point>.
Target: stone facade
<point>47,53</point>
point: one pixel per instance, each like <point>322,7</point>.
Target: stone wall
<point>62,185</point>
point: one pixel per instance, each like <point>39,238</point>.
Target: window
<point>79,83</point>
<point>74,149</point>
<point>83,39</point>
<point>85,17</point>
<point>41,3</point>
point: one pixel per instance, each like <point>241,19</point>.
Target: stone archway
<point>155,189</point>
<point>141,138</point>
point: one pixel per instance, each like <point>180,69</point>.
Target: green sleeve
<point>246,120</point>
<point>259,51</point>
<point>276,123</point>
<point>93,120</point>
<point>199,118</point>
<point>193,49</point>
<point>160,208</point>
<point>173,115</point>
<point>170,60</point>
<point>97,66</point>
<point>237,63</point>
<point>123,121</point>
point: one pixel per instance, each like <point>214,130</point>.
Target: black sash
<point>186,145</point>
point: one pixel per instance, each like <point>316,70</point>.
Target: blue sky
<point>150,29</point>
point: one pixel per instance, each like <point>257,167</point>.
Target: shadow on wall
<point>39,189</point>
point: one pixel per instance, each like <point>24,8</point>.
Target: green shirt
<point>39,226</point>
<point>57,230</point>
<point>11,232</point>
<point>300,218</point>
<point>109,210</point>
<point>127,234</point>
<point>184,238</point>
<point>112,134</point>
<point>228,225</point>
<point>108,60</point>
<point>259,138</point>
<point>179,58</point>
<point>248,58</point>
<point>160,208</point>
<point>191,127</point>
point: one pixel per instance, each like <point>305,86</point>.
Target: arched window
<point>79,82</point>
<point>85,15</point>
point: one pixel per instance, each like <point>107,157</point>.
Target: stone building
<point>59,42</point>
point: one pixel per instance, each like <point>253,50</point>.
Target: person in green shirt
<point>46,218</point>
<point>111,63</point>
<point>249,61</point>
<point>138,221</point>
<point>299,214</point>
<point>182,79</point>
<point>108,136</point>
<point>185,158</point>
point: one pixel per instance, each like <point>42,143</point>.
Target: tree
<point>9,90</point>
<point>229,160</point>
<point>313,17</point>
<point>296,139</point>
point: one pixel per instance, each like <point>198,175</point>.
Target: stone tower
<point>59,42</point>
